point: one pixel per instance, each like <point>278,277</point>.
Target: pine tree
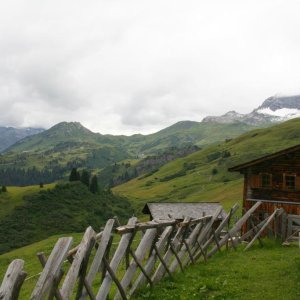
<point>85,178</point>
<point>94,185</point>
<point>74,175</point>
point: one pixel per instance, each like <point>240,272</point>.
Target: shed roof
<point>264,158</point>
<point>180,210</point>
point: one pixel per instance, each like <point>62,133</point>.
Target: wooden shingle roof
<point>264,158</point>
<point>180,210</point>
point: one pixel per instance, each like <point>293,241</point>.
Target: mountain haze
<point>10,135</point>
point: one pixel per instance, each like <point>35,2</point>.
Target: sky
<point>136,66</point>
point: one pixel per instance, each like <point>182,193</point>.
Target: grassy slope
<point>14,197</point>
<point>198,183</point>
<point>272,272</point>
<point>65,208</point>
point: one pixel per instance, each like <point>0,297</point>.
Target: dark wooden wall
<point>277,193</point>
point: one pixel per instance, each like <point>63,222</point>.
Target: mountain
<point>10,135</point>
<point>203,175</point>
<point>49,155</point>
<point>273,110</point>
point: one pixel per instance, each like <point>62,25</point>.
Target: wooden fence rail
<point>143,253</point>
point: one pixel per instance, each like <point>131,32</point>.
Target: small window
<point>266,180</point>
<point>290,182</point>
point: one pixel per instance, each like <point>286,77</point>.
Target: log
<point>13,280</point>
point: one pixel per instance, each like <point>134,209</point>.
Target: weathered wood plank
<point>223,224</point>
<point>152,259</point>
<point>160,271</point>
<point>235,228</point>
<point>120,252</point>
<point>13,280</point>
<point>144,226</point>
<point>87,242</point>
<point>140,254</point>
<point>114,278</point>
<point>95,266</point>
<point>204,234</point>
<point>43,260</point>
<point>270,219</point>
<point>52,268</point>
<point>182,250</point>
<point>194,221</point>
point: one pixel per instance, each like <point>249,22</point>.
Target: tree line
<point>86,178</point>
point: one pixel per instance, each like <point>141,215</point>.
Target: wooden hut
<point>180,210</point>
<point>274,180</point>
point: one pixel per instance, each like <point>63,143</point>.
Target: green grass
<point>271,272</point>
<point>177,182</point>
<point>14,197</point>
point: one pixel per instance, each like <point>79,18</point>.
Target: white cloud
<point>137,66</point>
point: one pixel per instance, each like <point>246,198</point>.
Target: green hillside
<point>68,207</point>
<point>196,133</point>
<point>15,197</point>
<point>203,175</point>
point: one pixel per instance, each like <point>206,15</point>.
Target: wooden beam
<point>276,212</point>
<point>237,227</point>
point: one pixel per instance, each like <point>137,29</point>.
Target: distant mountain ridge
<point>10,135</point>
<point>273,110</point>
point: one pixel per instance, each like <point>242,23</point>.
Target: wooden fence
<point>143,254</point>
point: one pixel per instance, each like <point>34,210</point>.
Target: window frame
<point>285,185</point>
<point>269,175</point>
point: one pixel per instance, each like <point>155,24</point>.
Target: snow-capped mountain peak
<point>274,109</point>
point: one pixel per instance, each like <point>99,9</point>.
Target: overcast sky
<point>122,66</point>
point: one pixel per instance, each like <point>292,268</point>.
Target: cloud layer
<point>137,66</point>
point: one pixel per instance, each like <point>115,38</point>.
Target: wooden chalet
<point>274,180</point>
<point>180,210</point>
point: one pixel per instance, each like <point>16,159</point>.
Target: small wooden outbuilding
<point>274,180</point>
<point>180,210</point>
